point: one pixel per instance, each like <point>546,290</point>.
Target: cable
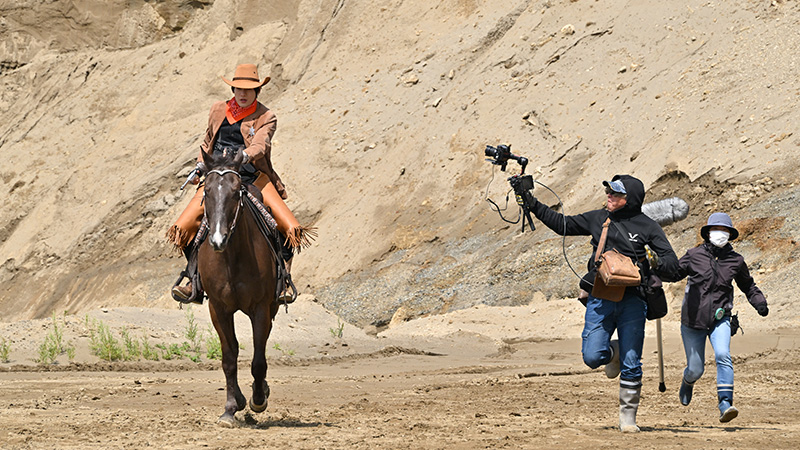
<point>564,236</point>
<point>496,207</point>
<point>499,211</point>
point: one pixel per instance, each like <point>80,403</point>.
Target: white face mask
<point>718,238</point>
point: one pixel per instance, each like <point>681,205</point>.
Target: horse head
<point>222,195</point>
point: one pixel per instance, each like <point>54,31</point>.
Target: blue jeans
<point>694,343</point>
<point>628,317</point>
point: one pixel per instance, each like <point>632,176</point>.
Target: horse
<point>239,272</point>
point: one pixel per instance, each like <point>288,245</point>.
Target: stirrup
<point>196,296</point>
<point>285,297</point>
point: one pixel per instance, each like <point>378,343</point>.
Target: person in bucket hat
<point>241,123</point>
<point>712,267</point>
<point>723,224</point>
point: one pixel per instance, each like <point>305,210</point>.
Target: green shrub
<point>132,349</point>
<point>173,351</point>
<point>192,332</point>
<point>149,352</point>
<point>213,346</point>
<point>5,350</point>
<point>103,344</point>
<point>53,344</point>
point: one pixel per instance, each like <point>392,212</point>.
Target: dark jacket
<point>638,231</point>
<point>711,271</point>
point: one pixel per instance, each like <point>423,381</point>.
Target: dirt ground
<point>463,388</point>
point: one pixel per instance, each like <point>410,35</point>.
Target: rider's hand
<point>199,170</point>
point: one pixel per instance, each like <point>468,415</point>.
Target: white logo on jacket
<point>632,237</point>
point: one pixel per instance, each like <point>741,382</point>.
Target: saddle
<point>269,229</point>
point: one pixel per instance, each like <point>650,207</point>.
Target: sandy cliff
<point>384,110</point>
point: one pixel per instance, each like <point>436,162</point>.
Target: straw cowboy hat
<point>246,77</point>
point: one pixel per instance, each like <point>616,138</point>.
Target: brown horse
<point>239,272</point>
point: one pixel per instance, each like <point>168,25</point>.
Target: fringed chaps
<point>298,236</point>
<point>181,233</point>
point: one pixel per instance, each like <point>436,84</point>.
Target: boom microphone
<point>667,211</point>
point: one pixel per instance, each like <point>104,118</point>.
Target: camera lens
<point>491,151</point>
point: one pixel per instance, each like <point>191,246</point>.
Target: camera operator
<point>628,232</point>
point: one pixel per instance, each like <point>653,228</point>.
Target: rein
<point>264,222</point>
<point>239,205</point>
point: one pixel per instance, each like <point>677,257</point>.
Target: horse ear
<point>207,159</point>
<point>238,159</point>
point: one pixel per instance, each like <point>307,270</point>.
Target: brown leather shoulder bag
<point>614,272</point>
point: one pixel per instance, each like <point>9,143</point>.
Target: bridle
<point>239,205</point>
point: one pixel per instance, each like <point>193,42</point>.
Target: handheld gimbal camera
<point>522,184</point>
<point>500,155</point>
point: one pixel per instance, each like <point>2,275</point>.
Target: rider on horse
<point>241,123</point>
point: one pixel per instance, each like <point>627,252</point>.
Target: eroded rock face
<point>28,26</point>
<point>384,112</point>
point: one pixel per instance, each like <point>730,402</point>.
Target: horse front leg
<point>262,325</point>
<point>223,323</point>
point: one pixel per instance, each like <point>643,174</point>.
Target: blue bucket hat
<point>615,186</point>
<point>719,219</point>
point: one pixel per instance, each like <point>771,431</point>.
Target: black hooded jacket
<point>632,231</point>
<point>712,271</point>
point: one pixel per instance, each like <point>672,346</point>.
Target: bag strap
<point>602,244</point>
<point>624,231</point>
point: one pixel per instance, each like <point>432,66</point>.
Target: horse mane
<point>228,159</point>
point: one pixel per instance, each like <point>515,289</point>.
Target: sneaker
<point>685,393</point>
<point>612,368</point>
<point>727,411</point>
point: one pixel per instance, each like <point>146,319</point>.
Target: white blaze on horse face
<point>217,238</point>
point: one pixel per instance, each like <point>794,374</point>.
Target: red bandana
<point>235,113</point>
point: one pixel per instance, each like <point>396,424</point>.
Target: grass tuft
<point>337,332</point>
<point>102,343</point>
<point>53,344</point>
<point>284,352</point>
<point>213,346</point>
<point>5,350</point>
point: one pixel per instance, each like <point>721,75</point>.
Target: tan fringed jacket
<point>257,129</point>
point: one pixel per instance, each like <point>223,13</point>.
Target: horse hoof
<point>226,420</point>
<point>258,408</point>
